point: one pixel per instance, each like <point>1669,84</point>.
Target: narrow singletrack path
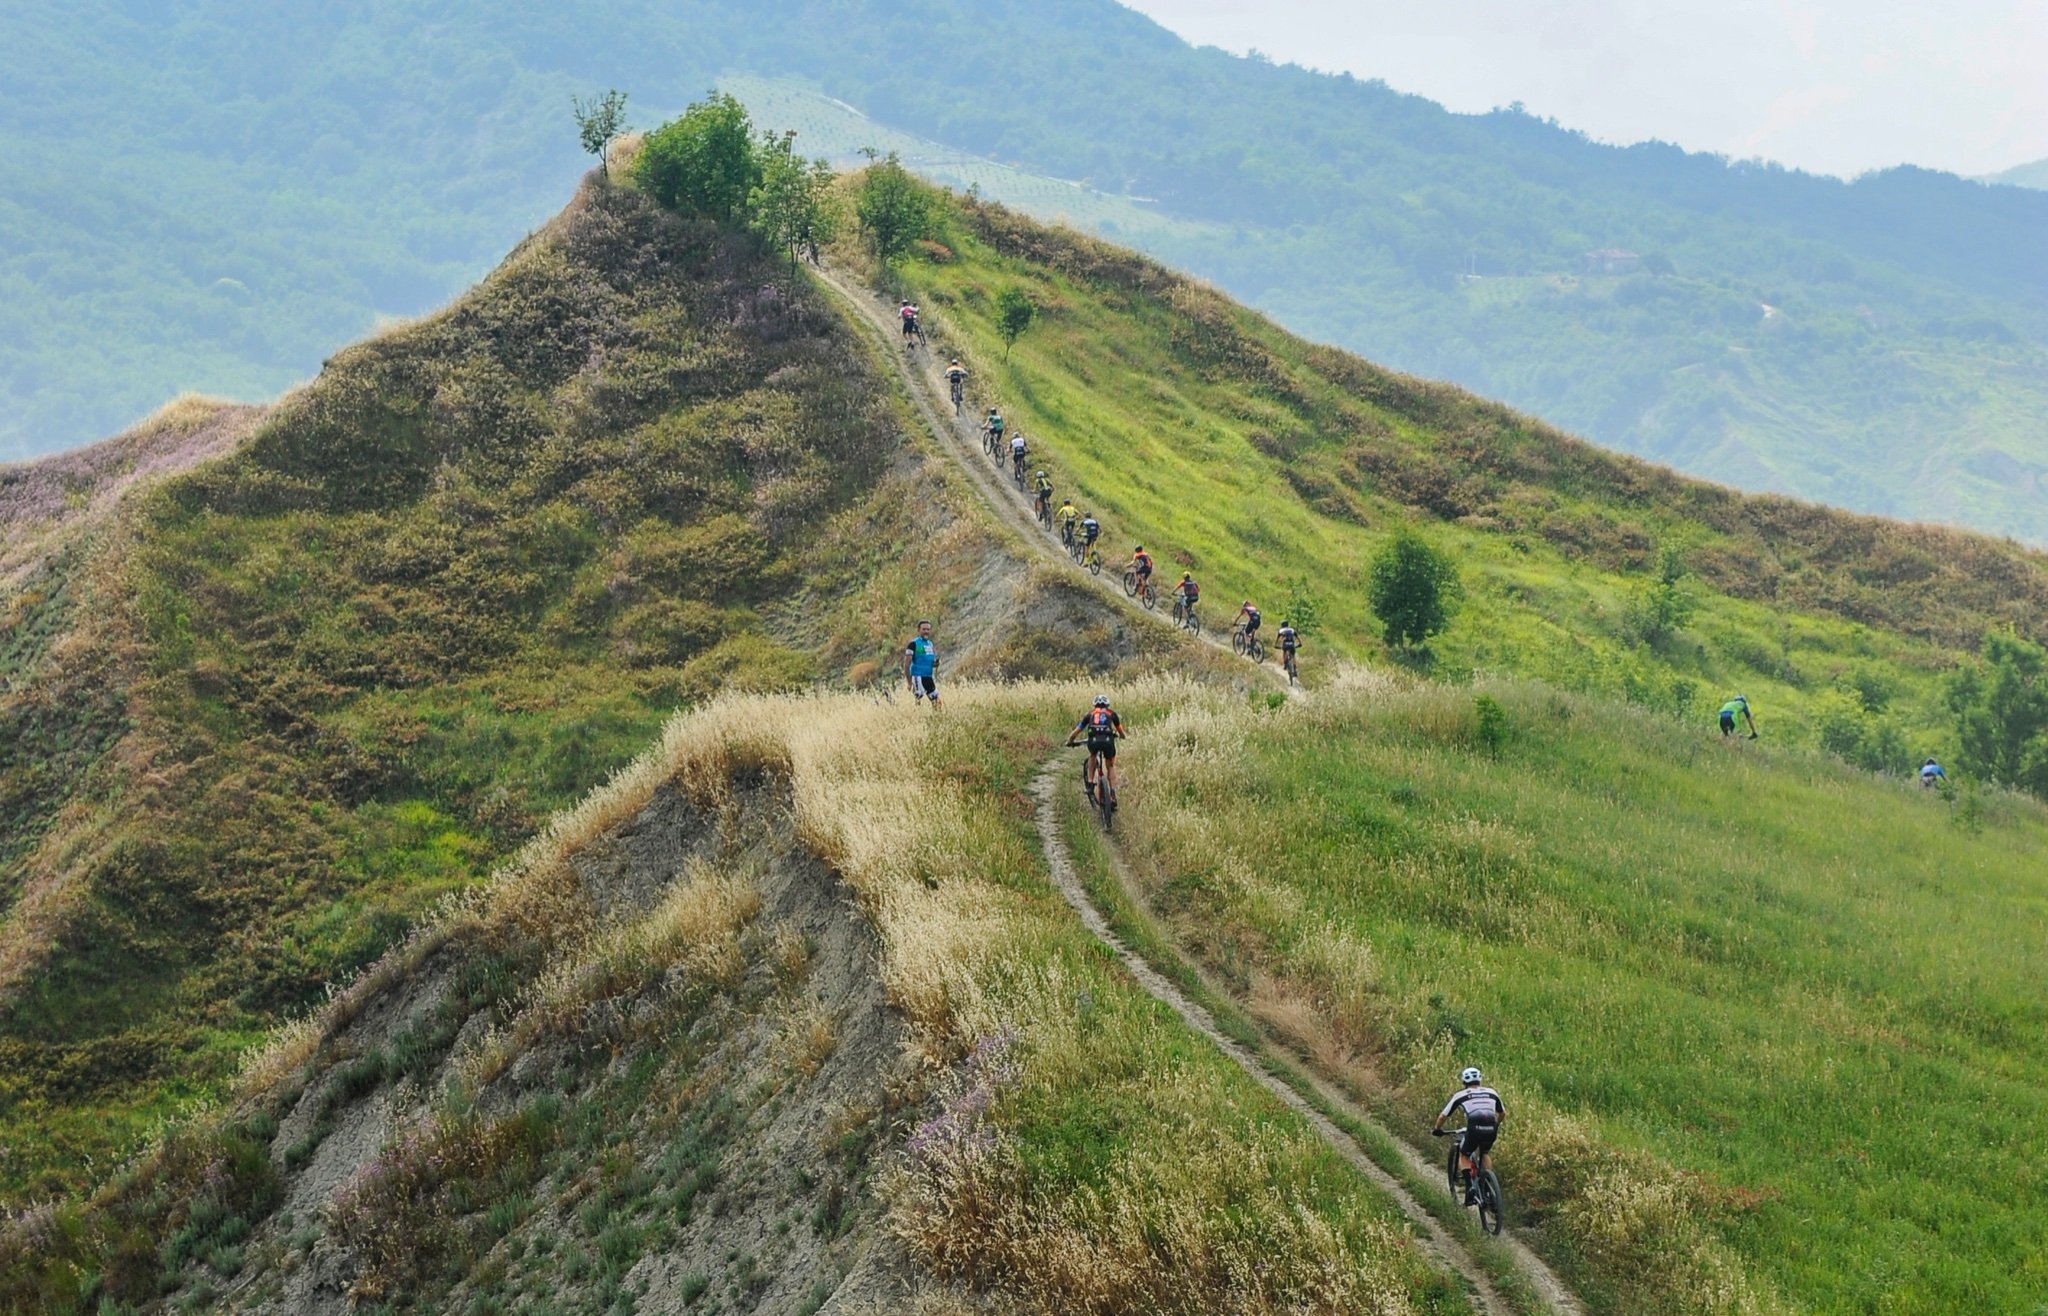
<point>1447,1251</point>
<point>924,380</point>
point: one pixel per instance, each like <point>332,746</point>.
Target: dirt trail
<point>1447,1251</point>
<point>924,379</point>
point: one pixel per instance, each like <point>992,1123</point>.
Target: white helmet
<point>1102,701</point>
<point>1471,1076</point>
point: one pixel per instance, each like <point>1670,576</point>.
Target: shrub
<point>703,163</point>
<point>1414,589</point>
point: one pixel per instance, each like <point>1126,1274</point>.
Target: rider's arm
<point>1449,1106</point>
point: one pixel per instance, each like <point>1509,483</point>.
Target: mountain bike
<point>1089,556</point>
<point>1148,595</point>
<point>992,442</point>
<point>1485,1188</point>
<point>958,388</point>
<point>1099,792</point>
<point>1184,615</point>
<point>1044,511</point>
<point>1287,662</point>
<point>1067,540</point>
<point>1018,461</point>
<point>1247,643</point>
<point>913,335</point>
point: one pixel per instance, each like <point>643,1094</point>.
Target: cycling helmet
<point>1041,472</point>
<point>1102,701</point>
<point>1139,549</point>
<point>1187,575</point>
<point>1471,1076</point>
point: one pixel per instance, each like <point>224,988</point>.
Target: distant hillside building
<point>1612,260</point>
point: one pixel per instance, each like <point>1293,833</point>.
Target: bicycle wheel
<point>1451,1175</point>
<point>1130,584</point>
<point>1150,598</point>
<point>1095,564</point>
<point>1237,641</point>
<point>1193,623</point>
<point>1255,650</point>
<point>1491,1204</point>
<point>1176,610</point>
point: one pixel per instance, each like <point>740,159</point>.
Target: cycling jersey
<point>995,423</point>
<point>1251,619</point>
<point>1017,447</point>
<point>1069,513</point>
<point>909,313</point>
<point>1143,562</point>
<point>1099,724</point>
<point>924,659</point>
<point>1932,773</point>
<point>1090,527</point>
<point>1288,639</point>
<point>956,374</point>
<point>1734,707</point>
<point>1190,590</point>
<point>1482,1105</point>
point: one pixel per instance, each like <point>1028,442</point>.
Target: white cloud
<point>1836,86</point>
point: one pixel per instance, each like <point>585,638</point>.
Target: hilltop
<point>265,711</point>
<point>1875,344</point>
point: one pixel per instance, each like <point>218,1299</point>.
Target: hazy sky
<point>1834,86</point>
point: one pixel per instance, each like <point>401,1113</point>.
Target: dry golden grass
<point>1242,1217</point>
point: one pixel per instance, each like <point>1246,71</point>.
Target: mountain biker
<point>1931,775</point>
<point>1043,484</point>
<point>994,425</point>
<point>956,375</point>
<point>1067,515</point>
<point>1737,707</point>
<point>909,314</point>
<point>1290,640</point>
<point>920,665</point>
<point>1250,617</point>
<point>1484,1111</point>
<point>1141,562</point>
<point>1019,452</point>
<point>1103,728</point>
<point>1188,592</point>
<point>1091,529</point>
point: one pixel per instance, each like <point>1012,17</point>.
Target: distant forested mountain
<point>212,194</point>
<point>2026,175</point>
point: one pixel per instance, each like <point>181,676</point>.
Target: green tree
<point>2001,712</point>
<point>788,207</point>
<point>1014,313</point>
<point>1304,606</point>
<point>892,208</point>
<point>598,122</point>
<point>1413,588</point>
<point>703,163</point>
<point>1660,609</point>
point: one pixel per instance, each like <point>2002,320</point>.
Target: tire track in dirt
<point>1446,1250</point>
<point>925,383</point>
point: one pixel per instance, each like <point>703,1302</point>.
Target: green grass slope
<point>1743,1003</point>
<point>339,674</point>
<point>1274,469</point>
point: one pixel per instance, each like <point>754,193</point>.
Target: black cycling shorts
<point>1478,1140</point>
<point>1251,625</point>
<point>1103,745</point>
<point>924,687</point>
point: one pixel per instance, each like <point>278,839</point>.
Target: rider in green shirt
<point>1734,708</point>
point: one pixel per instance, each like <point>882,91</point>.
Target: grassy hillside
<point>650,1066</point>
<point>1742,1005</point>
<point>323,682</point>
<point>1274,469</point>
